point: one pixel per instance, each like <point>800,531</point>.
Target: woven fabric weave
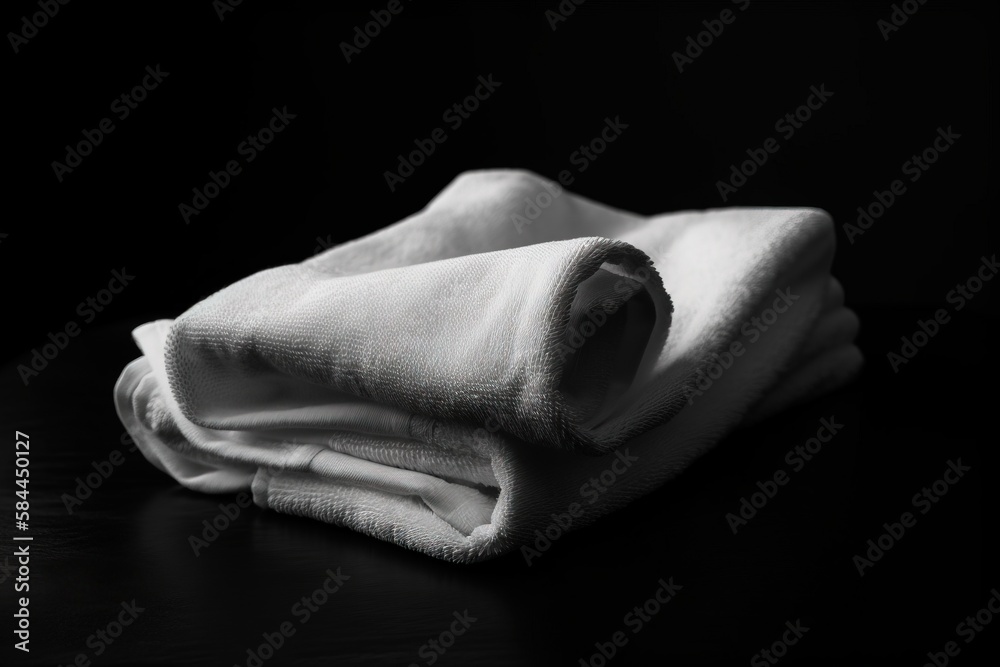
<point>451,382</point>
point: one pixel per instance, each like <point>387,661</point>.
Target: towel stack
<point>451,382</point>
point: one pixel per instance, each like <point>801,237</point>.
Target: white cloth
<point>451,382</point>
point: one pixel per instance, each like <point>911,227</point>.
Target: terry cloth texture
<point>450,382</point>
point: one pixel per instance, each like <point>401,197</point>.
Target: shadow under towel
<point>449,382</point>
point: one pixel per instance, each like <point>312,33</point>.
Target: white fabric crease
<point>452,381</point>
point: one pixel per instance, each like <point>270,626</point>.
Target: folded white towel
<point>452,382</point>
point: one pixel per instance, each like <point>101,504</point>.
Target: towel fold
<point>494,335</point>
<point>452,382</point>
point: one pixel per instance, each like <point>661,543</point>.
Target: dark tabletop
<point>792,562</point>
<point>125,552</point>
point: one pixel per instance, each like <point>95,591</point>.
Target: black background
<point>322,179</point>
